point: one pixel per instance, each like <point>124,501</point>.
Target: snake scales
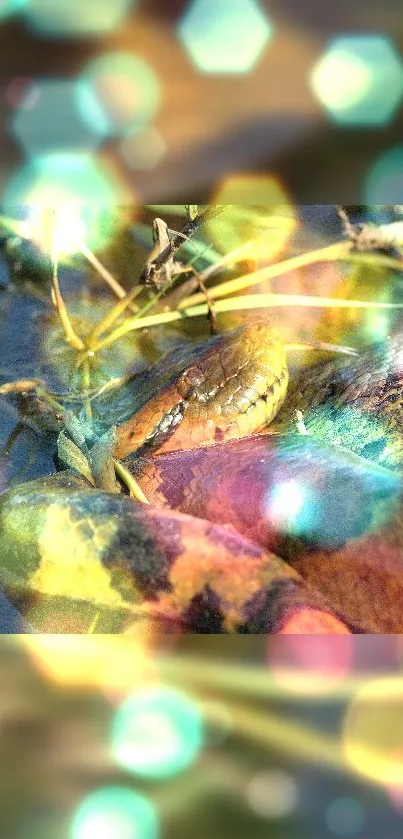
<point>207,564</point>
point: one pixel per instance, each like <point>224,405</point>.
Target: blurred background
<point>164,101</point>
<point>295,737</point>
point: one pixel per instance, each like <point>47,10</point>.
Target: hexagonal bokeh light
<point>118,93</point>
<point>69,183</point>
<point>260,213</point>
<point>48,118</point>
<point>359,80</point>
<point>225,36</point>
<point>63,178</point>
<point>73,18</point>
<point>384,180</point>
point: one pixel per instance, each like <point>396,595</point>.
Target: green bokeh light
<point>225,36</point>
<point>11,7</point>
<point>75,18</point>
<point>48,119</point>
<point>62,178</point>
<point>118,93</point>
<point>115,813</point>
<point>157,733</point>
<point>377,326</point>
<point>70,183</point>
<point>359,80</point>
<point>384,181</point>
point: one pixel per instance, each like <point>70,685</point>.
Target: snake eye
<point>191,384</point>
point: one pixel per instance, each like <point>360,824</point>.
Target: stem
<point>57,298</point>
<point>87,386</point>
<point>111,317</point>
<point>340,251</point>
<point>131,483</point>
<point>102,271</point>
<point>247,301</point>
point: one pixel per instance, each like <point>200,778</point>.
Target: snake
<point>207,425</point>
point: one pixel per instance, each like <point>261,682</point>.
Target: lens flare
<point>115,813</point>
<point>341,80</point>
<point>157,733</point>
<point>377,326</point>
<point>118,93</point>
<point>225,36</point>
<point>68,229</point>
<point>84,192</point>
<point>359,80</point>
<point>286,502</point>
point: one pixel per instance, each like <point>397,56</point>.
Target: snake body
<point>330,514</point>
<point>232,386</point>
<point>235,385</point>
<point>69,552</point>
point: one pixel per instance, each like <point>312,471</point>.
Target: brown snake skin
<point>346,542</point>
<point>355,403</point>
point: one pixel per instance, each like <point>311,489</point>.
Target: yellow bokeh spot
<point>260,216</point>
<point>114,663</point>
<point>373,733</point>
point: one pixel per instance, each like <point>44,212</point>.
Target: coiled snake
<point>73,557</point>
